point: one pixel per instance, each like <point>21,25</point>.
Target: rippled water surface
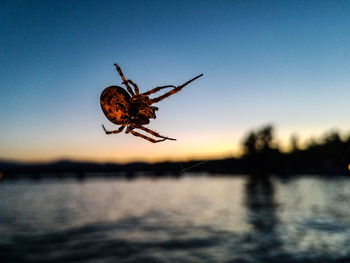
<point>191,219</point>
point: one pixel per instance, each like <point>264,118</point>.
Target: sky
<point>284,63</point>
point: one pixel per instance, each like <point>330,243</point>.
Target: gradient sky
<point>280,62</point>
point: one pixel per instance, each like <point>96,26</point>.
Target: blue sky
<point>280,62</point>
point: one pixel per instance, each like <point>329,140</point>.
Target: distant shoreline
<point>261,157</point>
<point>232,166</point>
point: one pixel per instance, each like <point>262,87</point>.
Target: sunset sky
<point>281,62</point>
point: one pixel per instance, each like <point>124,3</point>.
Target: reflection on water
<point>192,219</point>
<point>262,215</point>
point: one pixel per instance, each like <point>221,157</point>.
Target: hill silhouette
<point>261,156</point>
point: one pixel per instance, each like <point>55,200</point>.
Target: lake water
<point>191,219</point>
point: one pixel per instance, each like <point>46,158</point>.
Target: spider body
<point>115,104</point>
<point>119,108</point>
<point>132,109</point>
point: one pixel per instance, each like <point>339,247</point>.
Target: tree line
<point>262,156</point>
<point>328,155</point>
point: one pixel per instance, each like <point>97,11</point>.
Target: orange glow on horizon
<point>125,149</point>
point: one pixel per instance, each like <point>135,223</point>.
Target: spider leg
<point>130,129</point>
<point>153,132</point>
<point>157,89</point>
<point>142,97</point>
<point>125,82</point>
<point>173,91</point>
<point>121,128</point>
<point>135,86</point>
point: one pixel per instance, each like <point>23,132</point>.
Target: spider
<point>133,110</point>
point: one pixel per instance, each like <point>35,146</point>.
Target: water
<point>192,219</point>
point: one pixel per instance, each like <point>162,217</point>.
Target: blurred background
<point>284,63</point>
<point>257,171</point>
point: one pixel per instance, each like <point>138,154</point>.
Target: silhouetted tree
<point>250,144</point>
<point>265,139</point>
<point>333,138</point>
<point>260,151</point>
<point>294,142</point>
<point>259,142</point>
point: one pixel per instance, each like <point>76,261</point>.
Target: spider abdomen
<point>115,104</point>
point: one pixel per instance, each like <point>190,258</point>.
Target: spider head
<point>148,111</point>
